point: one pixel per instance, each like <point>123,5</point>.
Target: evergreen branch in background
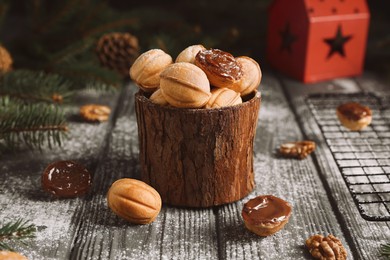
<point>67,54</point>
<point>16,231</point>
<point>91,14</point>
<point>31,124</point>
<point>4,5</point>
<point>89,75</point>
<point>54,42</point>
<point>59,15</point>
<point>385,250</point>
<point>113,25</point>
<point>36,13</point>
<point>35,86</point>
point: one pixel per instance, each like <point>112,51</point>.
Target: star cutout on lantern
<point>287,38</point>
<point>336,44</point>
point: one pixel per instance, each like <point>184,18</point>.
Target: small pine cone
<point>118,51</point>
<point>5,60</point>
<point>326,248</point>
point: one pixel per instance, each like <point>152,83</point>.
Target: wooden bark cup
<point>198,157</point>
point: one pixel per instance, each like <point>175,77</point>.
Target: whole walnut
<point>326,248</point>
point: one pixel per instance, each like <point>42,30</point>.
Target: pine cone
<point>5,60</point>
<point>118,51</point>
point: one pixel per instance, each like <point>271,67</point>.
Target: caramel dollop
<point>220,63</point>
<point>66,179</point>
<point>354,111</point>
<point>266,209</point>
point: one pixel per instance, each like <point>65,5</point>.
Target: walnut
<point>95,113</point>
<point>298,150</point>
<point>326,248</point>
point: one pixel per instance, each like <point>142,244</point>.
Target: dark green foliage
<point>86,75</point>
<point>60,36</point>
<point>16,231</point>
<point>236,27</point>
<point>385,251</point>
<point>34,86</point>
<point>32,124</point>
<point>168,30</point>
<point>52,43</point>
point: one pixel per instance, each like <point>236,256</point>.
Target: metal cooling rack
<point>363,157</point>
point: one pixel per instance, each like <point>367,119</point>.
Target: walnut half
<point>95,113</point>
<point>298,150</point>
<point>326,248</point>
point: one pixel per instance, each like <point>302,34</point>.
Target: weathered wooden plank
<point>295,181</point>
<point>177,233</point>
<point>85,228</point>
<point>20,187</point>
<point>369,82</point>
<point>364,237</point>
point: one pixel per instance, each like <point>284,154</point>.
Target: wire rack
<point>363,157</point>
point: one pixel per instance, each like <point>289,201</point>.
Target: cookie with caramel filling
<point>158,98</point>
<point>265,215</point>
<point>189,53</point>
<point>185,85</point>
<point>223,97</point>
<point>354,116</point>
<point>146,69</point>
<point>251,76</point>
<point>221,67</point>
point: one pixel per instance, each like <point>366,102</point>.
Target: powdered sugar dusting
<point>21,195</point>
<point>291,180</point>
<point>85,228</point>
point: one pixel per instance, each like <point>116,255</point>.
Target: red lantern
<point>313,40</point>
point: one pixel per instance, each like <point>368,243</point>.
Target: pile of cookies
<point>199,78</point>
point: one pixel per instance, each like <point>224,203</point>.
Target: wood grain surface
<point>21,195</point>
<point>85,228</point>
<point>363,236</point>
<point>296,181</point>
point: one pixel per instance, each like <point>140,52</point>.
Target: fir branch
<point>35,86</point>
<point>90,14</point>
<point>4,7</point>
<point>70,52</point>
<point>56,17</point>
<point>89,75</point>
<point>37,128</point>
<point>63,36</point>
<point>385,250</point>
<point>31,124</point>
<point>16,231</point>
<point>37,10</point>
<point>123,22</point>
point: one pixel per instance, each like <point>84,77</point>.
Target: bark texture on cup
<point>198,157</point>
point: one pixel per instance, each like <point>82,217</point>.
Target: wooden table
<point>85,228</point>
